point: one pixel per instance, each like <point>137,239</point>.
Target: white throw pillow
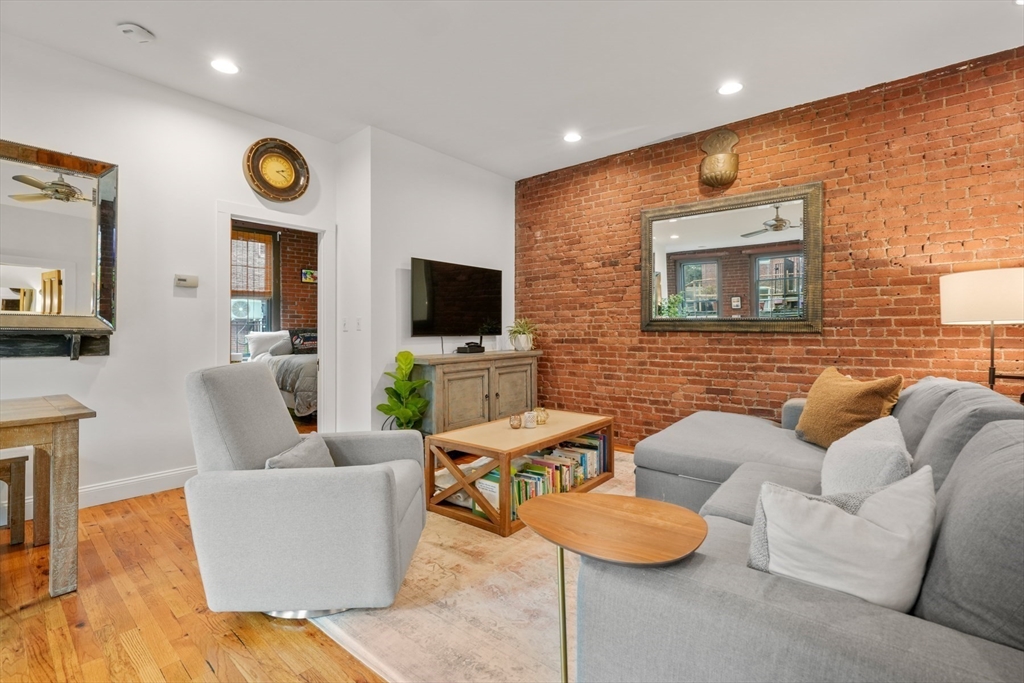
<point>872,544</point>
<point>310,452</point>
<point>262,342</point>
<point>868,457</point>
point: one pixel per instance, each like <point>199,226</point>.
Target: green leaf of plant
<point>405,361</point>
<point>390,391</point>
<point>404,387</point>
<point>384,408</point>
<point>393,375</point>
<point>417,383</point>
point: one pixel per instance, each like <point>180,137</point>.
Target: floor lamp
<point>984,297</point>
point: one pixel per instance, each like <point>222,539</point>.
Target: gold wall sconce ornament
<point>720,166</point>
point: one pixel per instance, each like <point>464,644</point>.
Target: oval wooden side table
<point>625,530</point>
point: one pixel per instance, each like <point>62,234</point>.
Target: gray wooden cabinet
<point>467,389</point>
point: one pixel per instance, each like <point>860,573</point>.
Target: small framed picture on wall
<point>309,275</point>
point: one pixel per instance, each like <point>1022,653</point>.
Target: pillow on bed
<point>281,348</point>
<point>261,342</point>
<point>304,340</point>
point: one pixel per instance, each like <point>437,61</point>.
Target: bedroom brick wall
<point>298,298</point>
<point>922,177</point>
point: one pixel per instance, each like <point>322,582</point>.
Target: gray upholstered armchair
<point>295,542</point>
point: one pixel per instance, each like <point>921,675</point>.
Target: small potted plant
<point>405,406</point>
<point>520,334</point>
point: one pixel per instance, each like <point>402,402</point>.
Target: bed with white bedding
<point>295,373</point>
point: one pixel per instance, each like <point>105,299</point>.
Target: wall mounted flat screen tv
<point>452,300</point>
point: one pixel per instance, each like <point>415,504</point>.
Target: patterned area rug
<point>474,608</point>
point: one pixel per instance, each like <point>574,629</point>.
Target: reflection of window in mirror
<point>698,282</point>
<point>778,285</point>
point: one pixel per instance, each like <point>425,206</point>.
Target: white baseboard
<point>119,489</point>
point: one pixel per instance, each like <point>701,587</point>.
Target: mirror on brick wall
<point>749,263</point>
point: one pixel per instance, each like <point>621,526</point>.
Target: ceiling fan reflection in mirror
<point>777,224</point>
<point>58,189</point>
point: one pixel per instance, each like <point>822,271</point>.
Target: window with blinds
<point>252,263</point>
<point>254,279</point>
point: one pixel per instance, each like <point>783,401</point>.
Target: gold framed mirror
<point>58,256</point>
<point>749,263</point>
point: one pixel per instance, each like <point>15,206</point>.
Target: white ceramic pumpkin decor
<point>522,342</point>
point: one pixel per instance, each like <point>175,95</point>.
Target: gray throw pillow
<point>868,457</point>
<point>281,348</point>
<point>310,452</point>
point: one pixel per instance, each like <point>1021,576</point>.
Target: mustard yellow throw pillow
<point>837,405</point>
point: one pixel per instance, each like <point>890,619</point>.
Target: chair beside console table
<point>50,424</point>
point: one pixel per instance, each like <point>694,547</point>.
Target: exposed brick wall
<point>922,177</point>
<point>298,298</point>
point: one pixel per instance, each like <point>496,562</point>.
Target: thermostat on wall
<point>190,281</point>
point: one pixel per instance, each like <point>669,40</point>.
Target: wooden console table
<point>498,441</point>
<point>50,423</point>
<point>472,388</point>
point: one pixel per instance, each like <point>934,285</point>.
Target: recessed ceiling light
<point>572,137</point>
<point>1019,2</point>
<point>225,66</point>
<point>730,88</point>
<point>675,237</point>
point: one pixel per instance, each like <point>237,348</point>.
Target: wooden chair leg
<point>12,471</point>
<point>16,503</point>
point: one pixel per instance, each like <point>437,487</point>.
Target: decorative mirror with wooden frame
<point>749,263</point>
<point>58,256</point>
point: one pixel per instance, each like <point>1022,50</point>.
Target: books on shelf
<point>559,469</point>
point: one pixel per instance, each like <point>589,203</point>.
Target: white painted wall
<point>180,159</point>
<point>430,205</point>
<point>376,199</point>
<point>354,218</point>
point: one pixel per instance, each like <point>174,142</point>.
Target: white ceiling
<point>497,84</point>
<point>726,228</point>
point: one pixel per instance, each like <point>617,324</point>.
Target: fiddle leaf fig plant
<point>405,407</point>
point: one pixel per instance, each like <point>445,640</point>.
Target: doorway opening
<point>274,310</point>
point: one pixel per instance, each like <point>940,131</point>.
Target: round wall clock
<point>276,170</point>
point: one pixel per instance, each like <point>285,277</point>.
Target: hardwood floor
<point>140,614</point>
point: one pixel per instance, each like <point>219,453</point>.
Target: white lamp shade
<point>980,297</point>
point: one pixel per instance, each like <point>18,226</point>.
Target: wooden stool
<point>12,471</point>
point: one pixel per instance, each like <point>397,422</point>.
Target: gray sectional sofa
<point>711,618</point>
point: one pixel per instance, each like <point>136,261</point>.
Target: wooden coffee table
<point>621,529</point>
<point>498,441</point>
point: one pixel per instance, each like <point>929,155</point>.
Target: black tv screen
<point>452,300</point>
